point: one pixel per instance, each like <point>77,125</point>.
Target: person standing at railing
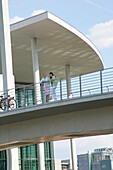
<point>53,85</point>
<point>45,81</point>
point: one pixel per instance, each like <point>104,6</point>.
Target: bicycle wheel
<point>3,105</point>
<point>12,104</point>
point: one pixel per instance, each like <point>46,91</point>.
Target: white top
<point>47,83</point>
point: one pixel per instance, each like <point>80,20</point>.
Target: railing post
<point>61,89</point>
<point>101,86</point>
<point>34,94</point>
<point>7,100</point>
<point>42,93</point>
<point>80,83</point>
<point>33,97</point>
<point>24,96</point>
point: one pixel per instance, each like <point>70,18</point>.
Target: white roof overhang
<point>58,44</point>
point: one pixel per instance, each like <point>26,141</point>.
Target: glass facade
<point>26,96</point>
<point>3,160</point>
<point>28,157</point>
<point>22,100</point>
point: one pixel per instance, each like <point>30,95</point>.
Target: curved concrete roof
<point>58,44</point>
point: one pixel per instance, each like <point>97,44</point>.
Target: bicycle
<point>11,103</point>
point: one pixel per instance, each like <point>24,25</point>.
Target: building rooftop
<point>59,44</point>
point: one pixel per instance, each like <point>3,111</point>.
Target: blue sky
<point>94,18</point>
<point>82,14</point>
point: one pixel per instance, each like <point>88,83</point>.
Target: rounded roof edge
<point>61,22</point>
<point>71,28</point>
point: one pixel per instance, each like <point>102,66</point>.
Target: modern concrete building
<point>29,48</point>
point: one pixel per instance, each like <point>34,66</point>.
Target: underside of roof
<point>58,44</point>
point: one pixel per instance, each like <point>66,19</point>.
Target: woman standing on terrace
<point>45,82</point>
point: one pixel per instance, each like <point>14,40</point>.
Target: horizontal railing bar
<point>85,84</point>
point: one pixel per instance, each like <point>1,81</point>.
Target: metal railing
<point>82,85</point>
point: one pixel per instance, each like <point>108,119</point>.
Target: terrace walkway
<point>88,110</point>
<point>79,86</point>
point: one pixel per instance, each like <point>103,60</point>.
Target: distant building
<point>62,164</point>
<point>105,164</point>
<point>102,165</point>
<point>102,159</point>
<point>65,164</point>
<point>84,162</point>
<point>95,166</point>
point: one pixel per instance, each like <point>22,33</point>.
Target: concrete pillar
<point>7,70</point>
<point>73,163</point>
<point>5,40</point>
<point>68,80</point>
<point>52,155</point>
<point>36,75</point>
<point>9,159</point>
<point>12,159</point>
<point>41,156</point>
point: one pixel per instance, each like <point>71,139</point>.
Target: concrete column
<point>41,156</point>
<point>36,73</point>
<point>68,80</point>
<point>7,70</point>
<point>73,163</point>
<point>5,40</point>
<point>52,155</point>
<point>9,159</point>
<point>12,159</point>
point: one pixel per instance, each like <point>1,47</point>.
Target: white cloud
<point>15,19</point>
<point>102,34</point>
<point>37,12</point>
